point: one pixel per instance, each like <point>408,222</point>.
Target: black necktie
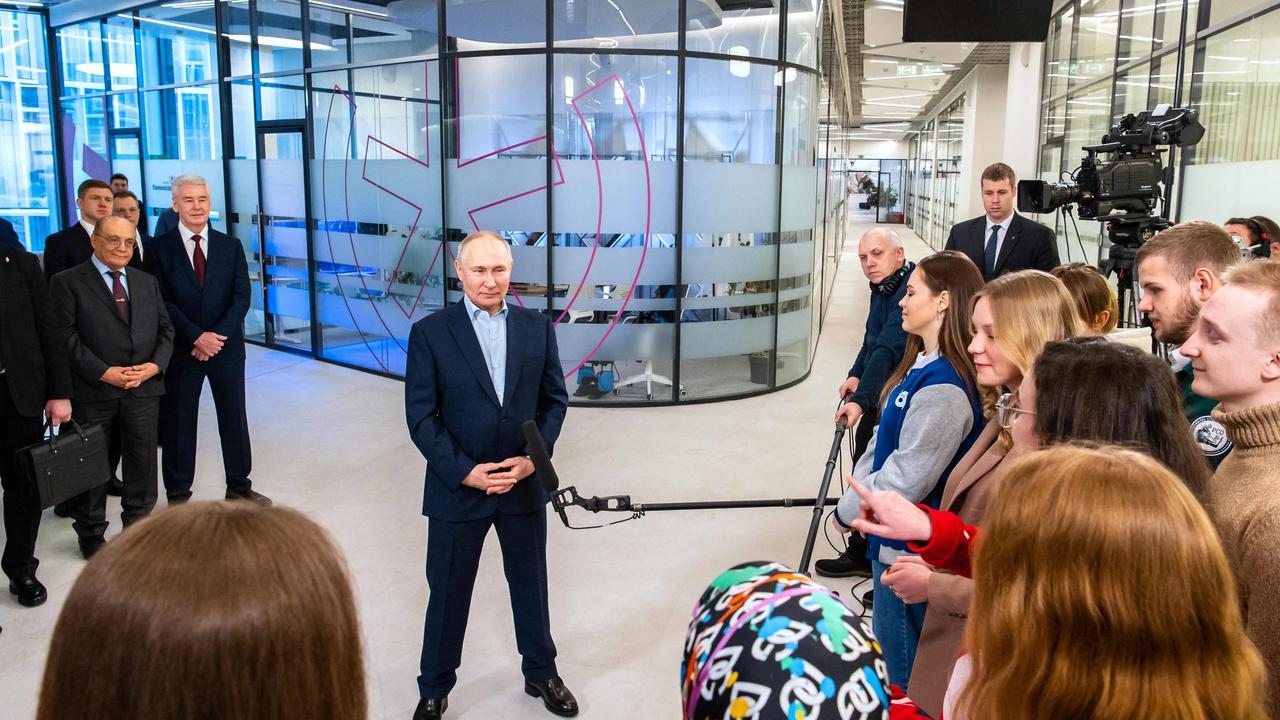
<point>991,251</point>
<point>120,296</point>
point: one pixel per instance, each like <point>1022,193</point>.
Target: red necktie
<point>197,261</point>
<point>119,295</point>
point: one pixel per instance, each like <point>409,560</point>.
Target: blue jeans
<point>896,626</point>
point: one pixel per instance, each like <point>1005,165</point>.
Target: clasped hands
<point>131,376</point>
<point>889,515</point>
<point>207,345</point>
<point>498,478</point>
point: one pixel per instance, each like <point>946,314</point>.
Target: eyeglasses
<point>117,242</point>
<point>1007,410</point>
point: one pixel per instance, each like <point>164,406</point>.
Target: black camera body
<point>1130,181</point>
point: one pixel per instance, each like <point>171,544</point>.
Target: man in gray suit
<point>119,339</point>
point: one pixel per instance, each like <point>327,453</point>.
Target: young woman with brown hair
<point>1101,590</point>
<point>930,414</point>
<point>1013,317</point>
<point>1093,391</point>
<point>1095,302</point>
<point>210,610</point>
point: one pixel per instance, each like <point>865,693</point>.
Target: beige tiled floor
<point>332,443</point>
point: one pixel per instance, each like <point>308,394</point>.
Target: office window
<point>28,194</point>
<point>80,53</point>
<point>178,44</point>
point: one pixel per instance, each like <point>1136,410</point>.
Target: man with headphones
<point>884,263</point>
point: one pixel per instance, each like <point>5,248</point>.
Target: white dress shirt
<point>1000,236</point>
<point>190,244</point>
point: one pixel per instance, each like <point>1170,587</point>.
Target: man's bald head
<point>881,253</point>
<point>112,241</point>
<point>484,268</point>
<point>113,225</point>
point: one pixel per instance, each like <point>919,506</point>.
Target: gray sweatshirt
<point>938,421</point>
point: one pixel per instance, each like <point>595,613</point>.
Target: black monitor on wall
<point>976,20</point>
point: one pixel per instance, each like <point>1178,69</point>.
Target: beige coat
<point>968,489</point>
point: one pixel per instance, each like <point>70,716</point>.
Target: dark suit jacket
<point>453,411</point>
<point>32,350</point>
<point>220,306</point>
<point>1027,246</point>
<point>166,221</point>
<point>67,248</point>
<point>97,338</point>
<point>9,236</point>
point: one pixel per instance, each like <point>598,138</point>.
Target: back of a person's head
<point>1101,590</point>
<point>1192,245</point>
<point>766,642</point>
<point>1096,304</point>
<point>1093,391</point>
<point>210,610</point>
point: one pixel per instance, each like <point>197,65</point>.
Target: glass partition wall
<point>658,167</point>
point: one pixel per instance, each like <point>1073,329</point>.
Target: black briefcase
<point>66,465</point>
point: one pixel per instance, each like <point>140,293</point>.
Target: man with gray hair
<point>205,281</point>
<point>884,263</point>
<point>477,371</point>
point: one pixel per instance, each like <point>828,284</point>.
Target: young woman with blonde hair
<point>929,416</point>
<point>210,610</point>
<point>1013,317</point>
<point>1101,590</point>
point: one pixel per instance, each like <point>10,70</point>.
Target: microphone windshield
<point>541,458</point>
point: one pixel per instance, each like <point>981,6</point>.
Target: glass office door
<point>285,270</point>
<point>126,158</point>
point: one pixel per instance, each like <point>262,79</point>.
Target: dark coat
<point>32,350</point>
<point>97,338</point>
<point>1027,246</point>
<point>454,416</point>
<point>220,306</point>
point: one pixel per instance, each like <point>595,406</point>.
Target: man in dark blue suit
<point>477,371</point>
<point>205,281</point>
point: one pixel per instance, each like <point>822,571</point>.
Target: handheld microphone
<point>542,466</point>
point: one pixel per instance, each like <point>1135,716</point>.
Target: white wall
<point>1022,109</point>
<point>878,149</point>
<point>983,139</point>
<point>1217,192</point>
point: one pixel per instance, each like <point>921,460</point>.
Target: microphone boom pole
<point>569,497</point>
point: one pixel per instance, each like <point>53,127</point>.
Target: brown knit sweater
<point>1244,501</point>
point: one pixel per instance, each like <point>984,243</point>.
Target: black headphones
<point>889,285</point>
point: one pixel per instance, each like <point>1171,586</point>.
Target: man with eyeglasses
<point>119,338</point>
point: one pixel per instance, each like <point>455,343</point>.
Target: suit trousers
<point>21,509</point>
<point>453,556</point>
<point>184,381</point>
<point>138,419</point>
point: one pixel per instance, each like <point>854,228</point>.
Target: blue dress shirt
<point>102,273</point>
<point>491,331</point>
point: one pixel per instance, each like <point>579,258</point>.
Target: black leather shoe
<point>249,495</point>
<point>62,510</point>
<point>431,708</point>
<point>91,545</point>
<point>29,591</point>
<point>179,499</point>
<point>115,486</point>
<point>554,695</point>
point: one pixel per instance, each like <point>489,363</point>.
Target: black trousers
<point>184,381</point>
<point>862,435</point>
<point>21,510</point>
<point>453,556</point>
<point>138,419</point>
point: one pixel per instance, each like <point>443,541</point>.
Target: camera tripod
<point>1127,233</point>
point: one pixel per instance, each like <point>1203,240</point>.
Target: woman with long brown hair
<point>1013,317</point>
<point>930,414</point>
<point>1101,590</point>
<point>1095,302</point>
<point>210,610</point>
